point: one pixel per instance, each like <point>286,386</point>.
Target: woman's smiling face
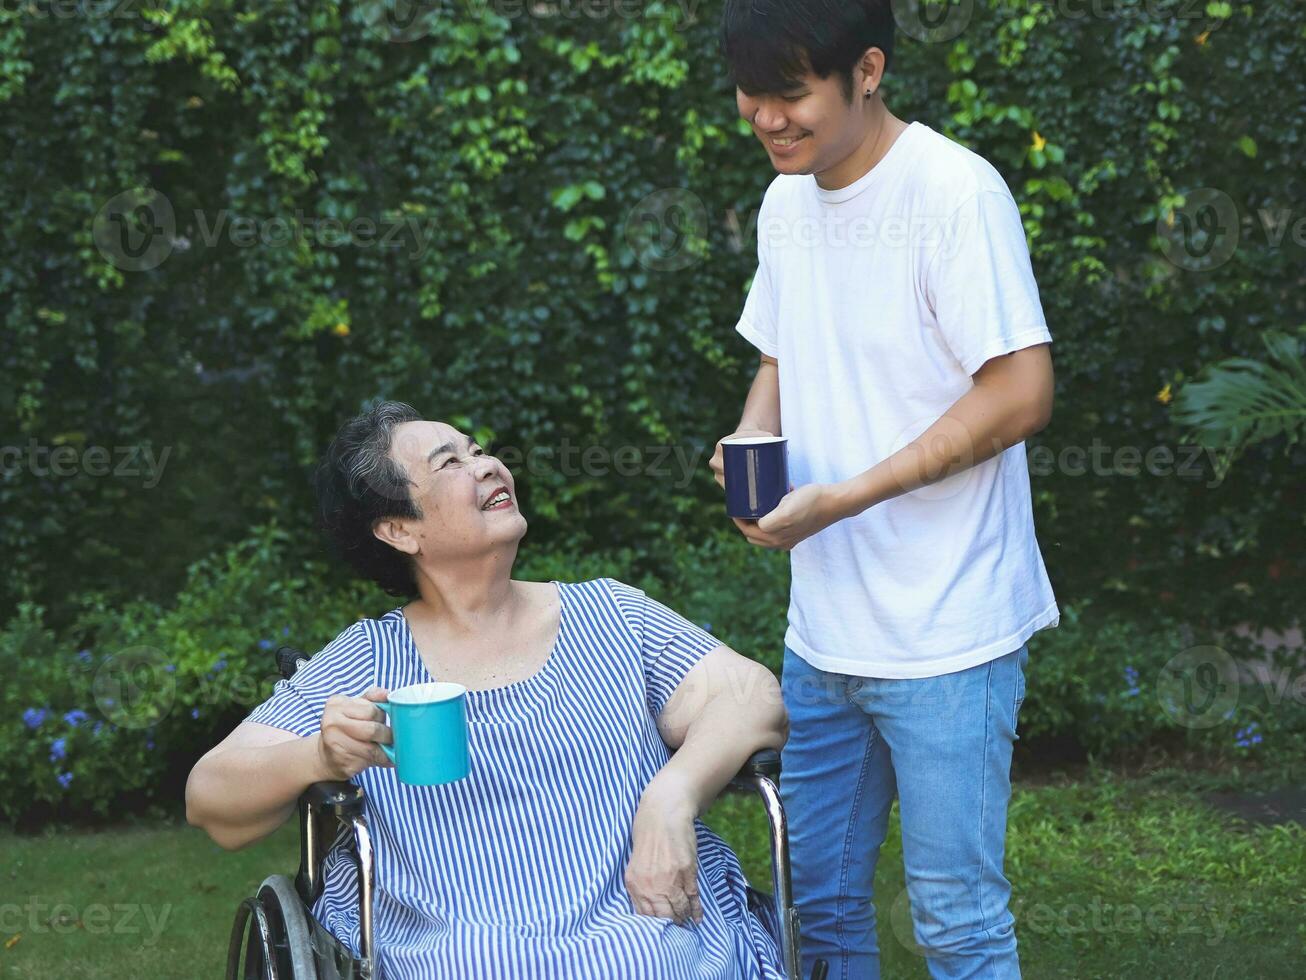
<point>467,497</point>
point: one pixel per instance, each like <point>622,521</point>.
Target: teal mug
<point>429,724</point>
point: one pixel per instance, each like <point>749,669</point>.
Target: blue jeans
<point>943,746</point>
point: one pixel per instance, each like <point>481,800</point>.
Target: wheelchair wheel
<point>272,931</point>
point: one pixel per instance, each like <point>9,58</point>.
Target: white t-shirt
<point>880,301</point>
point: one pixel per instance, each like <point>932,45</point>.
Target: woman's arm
<point>247,786</point>
<point>726,708</point>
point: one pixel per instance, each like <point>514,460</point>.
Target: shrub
<point>109,715</point>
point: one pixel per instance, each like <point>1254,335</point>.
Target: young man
<point>905,356</point>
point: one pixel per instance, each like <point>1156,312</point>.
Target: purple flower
<point>220,665</point>
<point>64,779</point>
<point>149,743</point>
<point>285,631</point>
<point>1245,738</point>
<point>99,727</point>
<point>58,749</point>
<point>33,717</point>
<point>265,644</point>
<point>85,657</point>
<point>194,712</point>
<point>170,668</point>
<point>1131,679</point>
<point>75,717</point>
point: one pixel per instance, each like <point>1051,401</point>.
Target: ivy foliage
<point>228,227</point>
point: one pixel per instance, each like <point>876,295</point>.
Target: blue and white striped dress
<point>516,872</point>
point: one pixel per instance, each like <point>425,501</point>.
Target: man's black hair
<point>771,44</point>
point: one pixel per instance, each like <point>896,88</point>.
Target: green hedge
<point>107,716</point>
<point>535,297</point>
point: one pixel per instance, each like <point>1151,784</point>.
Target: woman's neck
<point>469,596</point>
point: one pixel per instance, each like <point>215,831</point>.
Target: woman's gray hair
<point>359,483</point>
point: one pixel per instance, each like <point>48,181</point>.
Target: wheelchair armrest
<point>341,800</point>
<point>326,811</point>
<point>764,764</point>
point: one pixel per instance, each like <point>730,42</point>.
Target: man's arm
<point>1010,401</point>
<point>761,412</point>
<point>762,407</point>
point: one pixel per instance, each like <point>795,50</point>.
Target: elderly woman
<point>573,849</point>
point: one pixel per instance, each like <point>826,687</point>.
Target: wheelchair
<point>276,937</point>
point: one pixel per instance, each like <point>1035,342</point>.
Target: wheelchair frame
<point>281,940</point>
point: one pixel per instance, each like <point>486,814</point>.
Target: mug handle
<point>385,706</point>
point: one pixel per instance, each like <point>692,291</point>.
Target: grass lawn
<point>1113,878</point>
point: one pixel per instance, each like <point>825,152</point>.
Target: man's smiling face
<point>808,128</point>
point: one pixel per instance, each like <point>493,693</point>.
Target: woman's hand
<point>662,877</point>
<point>353,730</point>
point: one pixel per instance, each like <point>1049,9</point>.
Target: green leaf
<point>1243,401</point>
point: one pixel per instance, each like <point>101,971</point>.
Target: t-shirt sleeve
<point>980,284</point>
<point>758,324</point>
<point>344,666</point>
<point>670,645</point>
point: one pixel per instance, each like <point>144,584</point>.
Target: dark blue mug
<point>757,474</point>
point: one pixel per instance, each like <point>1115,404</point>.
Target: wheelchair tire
<point>293,946</point>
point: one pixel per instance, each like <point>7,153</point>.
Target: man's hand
<point>662,877</point>
<point>802,513</point>
<point>717,462</point>
<point>351,731</point>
